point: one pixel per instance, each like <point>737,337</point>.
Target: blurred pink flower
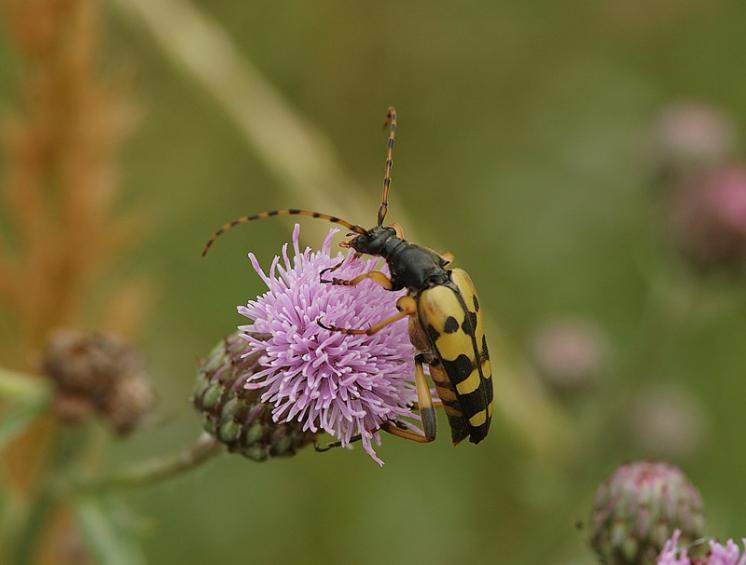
<point>728,554</point>
<point>691,137</point>
<point>345,385</point>
<point>667,419</point>
<point>569,353</point>
<point>709,220</point>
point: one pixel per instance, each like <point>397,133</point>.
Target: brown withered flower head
<point>95,373</point>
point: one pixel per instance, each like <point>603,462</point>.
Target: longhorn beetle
<point>445,324</point>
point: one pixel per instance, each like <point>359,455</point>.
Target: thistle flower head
<point>345,385</point>
<point>97,373</point>
<point>709,220</point>
<point>719,554</point>
<point>638,508</point>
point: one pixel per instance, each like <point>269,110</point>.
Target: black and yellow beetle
<point>445,324</point>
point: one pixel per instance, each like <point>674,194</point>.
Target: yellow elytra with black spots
<point>446,325</point>
<point>450,317</point>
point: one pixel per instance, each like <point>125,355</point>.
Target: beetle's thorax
<point>411,266</point>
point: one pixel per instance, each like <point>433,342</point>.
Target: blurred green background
<point>524,148</point>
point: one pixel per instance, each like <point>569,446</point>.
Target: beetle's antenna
<point>391,124</point>
<point>285,212</point>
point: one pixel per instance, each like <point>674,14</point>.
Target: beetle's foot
<point>323,448</point>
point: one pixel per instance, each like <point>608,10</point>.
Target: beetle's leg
<point>406,306</point>
<point>424,404</point>
<point>394,430</point>
<point>355,257</point>
<point>321,449</point>
<point>376,276</point>
<point>426,407</point>
<point>447,258</point>
<point>436,404</point>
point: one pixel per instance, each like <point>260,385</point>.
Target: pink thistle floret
<point>728,554</point>
<point>345,385</point>
<point>671,554</point>
<point>719,554</point>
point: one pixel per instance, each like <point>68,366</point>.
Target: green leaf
<point>15,420</point>
<point>109,538</point>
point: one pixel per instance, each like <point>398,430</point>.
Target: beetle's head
<point>372,241</point>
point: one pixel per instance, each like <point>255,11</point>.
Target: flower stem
<point>159,468</point>
<point>20,387</point>
<point>28,541</point>
<point>60,460</point>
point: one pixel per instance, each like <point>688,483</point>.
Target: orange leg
<point>376,276</point>
<point>335,267</point>
<point>447,258</point>
<point>406,306</point>
<point>394,430</point>
<point>436,404</point>
<point>425,407</point>
<point>424,404</point>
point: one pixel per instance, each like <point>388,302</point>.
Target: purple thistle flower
<point>728,554</point>
<point>671,554</point>
<point>719,554</point>
<point>345,385</point>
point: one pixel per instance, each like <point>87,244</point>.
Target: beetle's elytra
<point>445,322</point>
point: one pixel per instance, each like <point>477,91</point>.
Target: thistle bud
<point>96,373</point>
<point>235,415</point>
<point>637,509</point>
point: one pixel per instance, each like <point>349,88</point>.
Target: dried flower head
<point>638,508</point>
<point>97,373</point>
<point>236,416</point>
<point>718,554</point>
<point>345,385</point>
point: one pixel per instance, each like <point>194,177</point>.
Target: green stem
<point>27,543</point>
<point>59,462</point>
<point>21,387</point>
<point>159,468</point>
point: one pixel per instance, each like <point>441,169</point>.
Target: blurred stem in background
<point>305,163</point>
<point>159,468</point>
<point>59,191</point>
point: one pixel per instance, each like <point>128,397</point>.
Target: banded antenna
<point>391,124</point>
<point>285,212</point>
